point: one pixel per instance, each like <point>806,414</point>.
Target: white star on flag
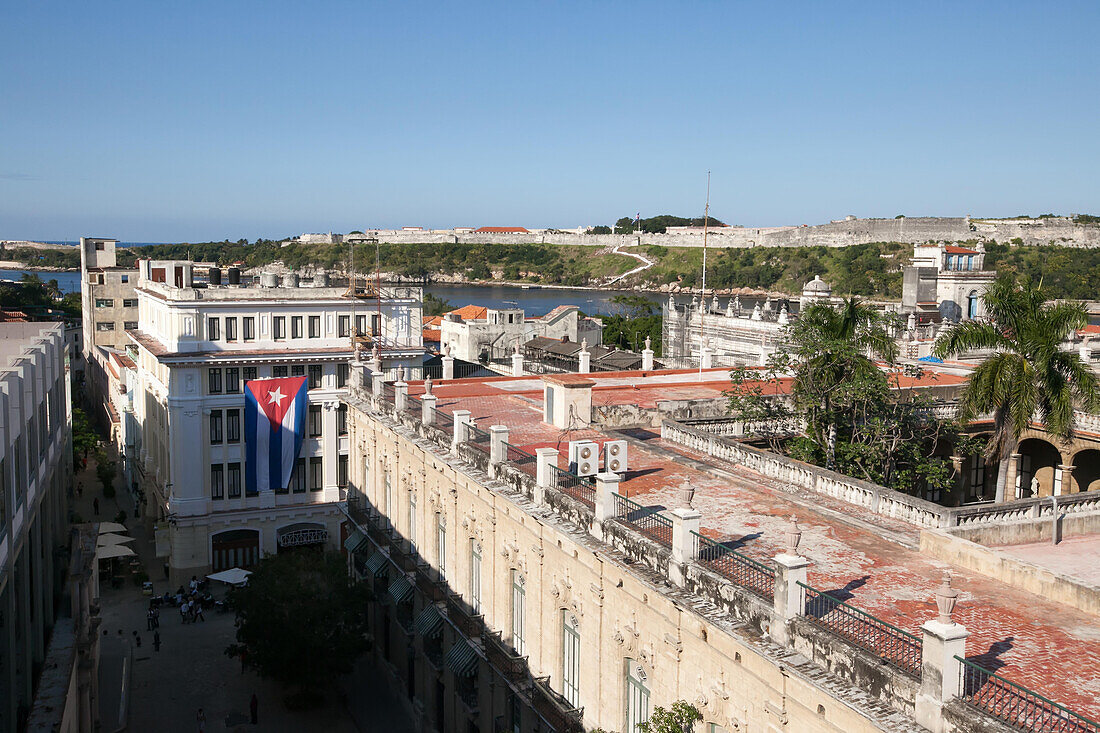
<point>276,396</point>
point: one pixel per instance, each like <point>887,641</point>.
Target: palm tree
<point>835,346</point>
<point>1030,375</point>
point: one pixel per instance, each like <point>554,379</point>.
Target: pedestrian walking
<point>149,620</point>
<point>198,613</point>
<point>183,613</point>
<point>156,618</point>
<point>95,506</point>
<point>200,718</point>
<point>79,489</point>
<point>254,708</point>
<point>156,641</point>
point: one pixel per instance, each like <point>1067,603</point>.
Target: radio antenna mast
<point>703,299</point>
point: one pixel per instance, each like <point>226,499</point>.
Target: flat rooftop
<point>867,560</point>
<point>16,337</point>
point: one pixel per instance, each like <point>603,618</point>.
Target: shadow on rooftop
<point>990,659</point>
<point>736,544</point>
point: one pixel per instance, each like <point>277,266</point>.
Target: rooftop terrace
<point>867,560</point>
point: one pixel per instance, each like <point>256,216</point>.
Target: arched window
<point>637,696</point>
<point>972,304</point>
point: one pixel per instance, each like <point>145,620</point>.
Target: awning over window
<point>376,565</point>
<point>400,588</point>
<point>429,623</point>
<point>354,541</point>
<point>462,659</point>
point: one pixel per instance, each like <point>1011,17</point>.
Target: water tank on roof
<point>214,276</point>
<point>320,279</point>
<point>290,280</point>
<point>269,280</point>
<point>234,276</point>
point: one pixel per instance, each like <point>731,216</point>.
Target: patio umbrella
<point>108,539</point>
<point>105,527</point>
<point>105,553</point>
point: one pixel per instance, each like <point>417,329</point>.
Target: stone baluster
<point>607,486</point>
<point>943,645</point>
<point>789,598</point>
<point>545,458</point>
<point>685,545</point>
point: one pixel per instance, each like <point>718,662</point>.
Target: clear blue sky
<point>153,121</point>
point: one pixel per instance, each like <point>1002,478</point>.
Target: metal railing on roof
<point>750,574</point>
<point>580,488</point>
<point>1016,705</point>
<point>646,519</point>
<point>896,646</point>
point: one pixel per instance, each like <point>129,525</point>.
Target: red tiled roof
<point>1090,329</point>
<point>501,230</point>
<point>427,321</point>
<point>953,249</point>
<point>470,312</point>
<point>432,335</point>
<point>12,316</point>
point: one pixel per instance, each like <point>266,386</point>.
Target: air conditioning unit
<point>614,456</point>
<point>584,457</point>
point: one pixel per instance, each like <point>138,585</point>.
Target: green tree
<point>436,306</point>
<point>105,471</point>
<point>600,230</point>
<point>301,621</point>
<point>1029,375</point>
<point>836,374</point>
<point>680,718</point>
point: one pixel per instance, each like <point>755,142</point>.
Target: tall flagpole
<point>703,300</point>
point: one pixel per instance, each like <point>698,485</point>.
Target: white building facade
<point>196,347</point>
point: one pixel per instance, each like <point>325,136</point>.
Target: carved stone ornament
<point>684,494</point>
<point>427,385</point>
<point>946,598</point>
<point>793,536</point>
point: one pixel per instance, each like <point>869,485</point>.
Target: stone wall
<point>912,230</point>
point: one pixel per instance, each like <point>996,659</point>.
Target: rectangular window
<point>279,325</point>
<point>104,326</point>
<point>278,371</point>
<point>315,421</point>
<point>297,370</point>
<point>519,613</point>
<point>637,696</point>
<point>316,478</point>
<point>315,327</point>
<point>234,482</point>
<point>571,660</point>
<point>361,325</point>
<point>104,303</point>
<point>298,478</point>
<point>248,374</point>
<point>130,325</point>
<point>125,278</point>
<point>212,328</point>
<point>342,371</point>
<point>232,380</point>
<point>248,326</point>
<point>129,302</point>
<point>215,427</point>
<point>342,471</point>
<point>315,373</point>
<point>214,381</point>
<point>412,521</point>
<point>217,481</point>
<point>343,326</point>
<point>342,419</point>
<point>232,426</point>
<point>296,327</point>
<point>475,576</point>
<point>230,329</point>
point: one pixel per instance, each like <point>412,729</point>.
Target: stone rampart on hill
<point>912,230</point>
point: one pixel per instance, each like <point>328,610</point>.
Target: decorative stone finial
<point>401,374</point>
<point>427,385</point>
<point>517,347</point>
<point>448,349</point>
<point>946,598</point>
<point>376,352</point>
<point>584,344</point>
<point>793,536</point>
<point>647,342</point>
<point>684,494</point>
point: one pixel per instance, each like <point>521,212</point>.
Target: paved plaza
<point>191,670</point>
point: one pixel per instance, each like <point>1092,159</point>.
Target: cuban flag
<point>274,425</point>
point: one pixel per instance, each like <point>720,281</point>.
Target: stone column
<point>461,421</point>
<point>544,477</point>
<point>584,361</point>
<point>448,366</point>
<point>427,409</point>
<point>706,358</point>
<point>498,437</point>
<point>685,520</point>
<point>789,599</point>
<point>400,396</point>
<point>647,359</point>
<point>941,672</point>
<point>517,364</point>
<point>607,486</point>
<point>1066,484</point>
<point>376,378</point>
